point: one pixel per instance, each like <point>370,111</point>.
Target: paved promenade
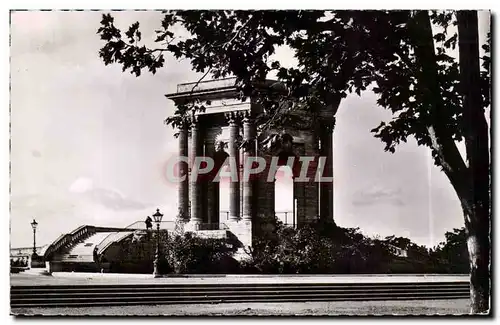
<point>62,278</point>
<point>330,308</point>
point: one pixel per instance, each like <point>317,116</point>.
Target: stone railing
<point>135,226</point>
<point>68,240</point>
<point>286,217</point>
<point>211,226</point>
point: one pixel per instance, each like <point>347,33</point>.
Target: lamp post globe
<point>34,224</point>
<point>157,216</point>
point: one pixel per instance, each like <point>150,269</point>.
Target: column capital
<point>247,116</point>
<point>192,120</point>
<point>184,122</point>
<point>234,117</point>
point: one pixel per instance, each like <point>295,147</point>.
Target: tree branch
<point>238,31</point>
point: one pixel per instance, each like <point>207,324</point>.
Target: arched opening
<point>222,187</point>
<point>284,205</point>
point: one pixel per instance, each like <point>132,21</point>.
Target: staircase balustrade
<point>68,240</point>
<point>105,243</point>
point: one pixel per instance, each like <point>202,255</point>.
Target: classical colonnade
<point>190,193</point>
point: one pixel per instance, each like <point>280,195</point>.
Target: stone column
<point>183,170</point>
<point>234,187</point>
<point>203,183</point>
<point>326,208</point>
<point>249,151</point>
<point>210,185</point>
<point>196,217</point>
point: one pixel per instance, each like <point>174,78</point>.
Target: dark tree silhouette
<point>453,252</point>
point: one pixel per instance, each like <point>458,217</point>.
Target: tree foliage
<point>180,253</point>
<point>453,252</point>
<point>314,249</point>
<point>191,254</point>
<point>337,52</point>
<point>327,249</point>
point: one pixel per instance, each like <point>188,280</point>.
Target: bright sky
<point>89,143</point>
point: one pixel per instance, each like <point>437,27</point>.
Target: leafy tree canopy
<point>338,52</point>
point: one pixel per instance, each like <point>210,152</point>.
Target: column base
<point>180,226</point>
<point>242,229</point>
<point>192,225</point>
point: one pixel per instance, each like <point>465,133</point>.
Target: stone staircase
<point>193,293</point>
<point>83,250</point>
<point>66,242</point>
<point>75,251</point>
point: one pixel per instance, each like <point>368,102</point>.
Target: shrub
<point>180,253</point>
<point>191,254</point>
<point>19,262</point>
<point>320,247</point>
<point>323,247</point>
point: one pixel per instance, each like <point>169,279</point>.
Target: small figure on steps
<point>96,256</point>
<point>149,223</point>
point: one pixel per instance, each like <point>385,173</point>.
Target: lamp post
<point>157,218</point>
<point>34,224</point>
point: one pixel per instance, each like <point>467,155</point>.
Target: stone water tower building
<point>231,120</point>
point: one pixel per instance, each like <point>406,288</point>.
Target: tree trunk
<point>478,244</point>
<point>477,222</point>
<point>471,182</point>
